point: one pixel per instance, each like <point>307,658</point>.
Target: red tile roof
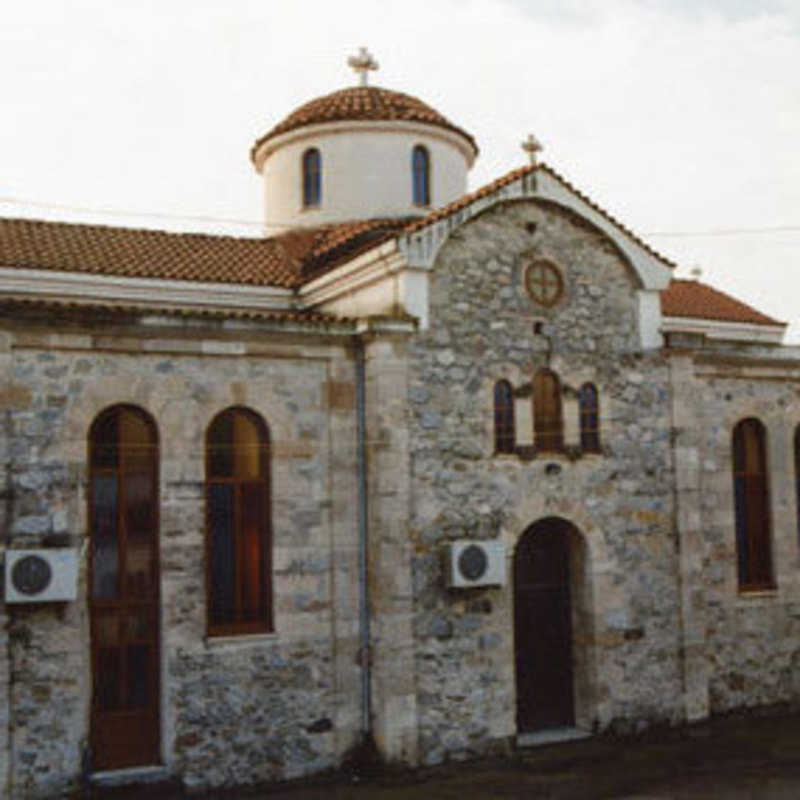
<point>510,177</point>
<point>368,103</point>
<point>688,298</point>
<point>283,261</point>
<point>288,260</point>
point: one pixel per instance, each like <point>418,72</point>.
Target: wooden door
<point>124,589</point>
<point>543,628</point>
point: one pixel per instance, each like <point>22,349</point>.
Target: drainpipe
<point>363,529</point>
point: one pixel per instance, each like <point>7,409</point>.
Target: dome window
<point>420,173</point>
<point>312,177</point>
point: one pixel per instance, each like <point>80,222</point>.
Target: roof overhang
<point>264,150</point>
<point>144,292</point>
<point>724,330</point>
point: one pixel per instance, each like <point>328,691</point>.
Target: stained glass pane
<point>419,161</point>
<point>136,440</point>
<point>252,538</point>
<point>220,500</point>
<point>138,509</point>
<point>587,399</point>
<point>105,545</point>
<point>108,678</point>
<point>503,417</point>
<point>751,498</point>
<point>547,411</point>
<point>312,173</point>
<point>247,446</point>
<point>104,450</point>
<point>138,674</point>
<point>219,443</point>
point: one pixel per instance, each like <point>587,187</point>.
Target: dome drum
<point>365,138</point>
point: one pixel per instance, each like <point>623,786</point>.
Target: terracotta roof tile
<point>362,103</point>
<point>510,177</point>
<point>284,261</point>
<point>688,298</point>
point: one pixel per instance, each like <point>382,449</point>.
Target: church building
<point>451,473</point>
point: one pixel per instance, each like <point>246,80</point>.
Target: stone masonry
<point>234,710</point>
<point>484,328</point>
<point>662,634</point>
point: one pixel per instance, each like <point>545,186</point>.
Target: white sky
<point>677,116</point>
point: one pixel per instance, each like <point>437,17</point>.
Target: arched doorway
<point>547,564</point>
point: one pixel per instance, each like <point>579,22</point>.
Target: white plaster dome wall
<point>365,137</point>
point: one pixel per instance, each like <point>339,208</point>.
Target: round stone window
<point>544,283</point>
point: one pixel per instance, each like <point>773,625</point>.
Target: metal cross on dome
<point>362,64</point>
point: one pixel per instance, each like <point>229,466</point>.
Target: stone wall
<point>234,710</point>
<point>751,642</point>
<point>484,327</point>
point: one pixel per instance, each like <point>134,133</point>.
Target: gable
<point>532,262</point>
<point>423,238</point>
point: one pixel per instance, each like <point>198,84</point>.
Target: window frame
<point>589,417</point>
<point>753,523</point>
<point>265,621</point>
<point>547,438</point>
<point>119,471</point>
<point>420,176</point>
<point>797,478</point>
<point>504,423</point>
<point>311,177</point>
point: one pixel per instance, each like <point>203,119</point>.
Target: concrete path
<point>743,758</point>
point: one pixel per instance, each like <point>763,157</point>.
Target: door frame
<point>584,678</point>
<point>95,607</point>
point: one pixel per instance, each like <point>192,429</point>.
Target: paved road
<point>756,758</point>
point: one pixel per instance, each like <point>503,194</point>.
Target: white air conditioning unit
<point>41,576</point>
<point>471,563</point>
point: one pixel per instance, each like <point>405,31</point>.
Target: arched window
<point>421,174</point>
<point>123,459</point>
<point>239,546</point>
<point>751,493</point>
<point>548,428</point>
<point>589,418</point>
<point>312,177</point>
<point>503,418</point>
<point>124,586</point>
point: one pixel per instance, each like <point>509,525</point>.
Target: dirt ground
<point>742,758</point>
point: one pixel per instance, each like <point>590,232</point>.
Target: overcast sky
<point>680,117</point>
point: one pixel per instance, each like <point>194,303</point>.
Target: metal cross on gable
<point>362,64</point>
<point>531,146</point>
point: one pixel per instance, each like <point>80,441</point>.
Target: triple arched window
<point>548,416</point>
<point>420,176</point>
<point>751,499</point>
<point>312,177</point>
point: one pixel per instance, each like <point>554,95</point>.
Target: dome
<point>360,153</point>
<point>363,104</point>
